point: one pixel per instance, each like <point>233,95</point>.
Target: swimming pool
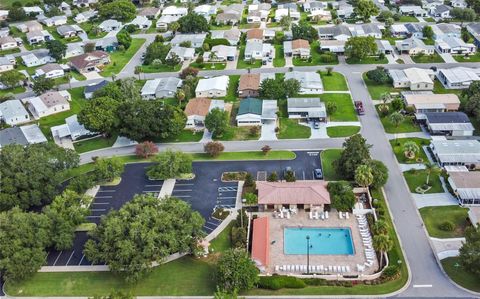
<point>335,241</point>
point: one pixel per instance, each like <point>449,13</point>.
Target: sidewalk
<point>447,247</point>
<point>408,135</point>
<point>167,188</point>
<point>434,200</point>
<point>407,167</point>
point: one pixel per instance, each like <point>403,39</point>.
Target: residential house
<point>6,64</point>
<point>449,123</point>
<point>221,53</point>
<point>67,31</point>
<point>309,6</point>
<point>53,21</point>
<point>36,59</point>
<point>320,15</point>
<point>458,77</point>
<point>414,46</point>
<point>110,25</point>
<point>255,112</point>
<point>7,43</point>
<point>338,32</point>
<point>334,46</point>
<point>429,4</point>
<point>384,46</point>
<point>412,10</point>
<point>281,12</point>
<point>345,11</point>
<point>442,30</point>
<point>149,12</point>
<point>164,21</point>
<point>174,11</point>
<point>29,26</point>
<point>197,109</point>
<point>310,82</point>
<point>456,152</point>
<point>297,48</point>
<point>72,130</point>
<point>215,87</point>
<point>141,22</point>
<point>182,52</point>
<point>66,8</point>
<point>260,35</point>
<point>205,10</point>
<point>36,37</point>
<point>24,135</point>
<point>89,62</point>
<point>50,70</point>
<point>3,14</point>
<point>49,103</point>
<point>399,30</point>
<point>161,88</point>
<point>231,35</point>
<point>308,109</point>
<point>249,84</point>
<point>427,101</point>
<point>458,3</point>
<point>257,16</point>
<point>258,50</point>
<point>85,16</point>
<point>231,15</point>
<point>259,6</point>
<point>83,3</point>
<point>13,113</point>
<point>414,30</point>
<point>196,40</point>
<point>33,10</point>
<point>413,78</point>
<point>466,186</point>
<point>474,30</point>
<point>441,11</point>
<point>454,45</point>
<point>107,44</point>
<point>366,30</point>
<point>5,31</point>
<point>90,89</point>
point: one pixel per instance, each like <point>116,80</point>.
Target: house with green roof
<point>255,112</point>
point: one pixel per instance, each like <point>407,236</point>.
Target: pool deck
<point>278,258</point>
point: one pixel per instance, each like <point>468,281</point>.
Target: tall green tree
<point>469,257</point>
<point>341,195</point>
<point>42,84</point>
<point>411,149</point>
<point>143,231</point>
<point>23,239</point>
<point>170,164</point>
<point>100,115</point>
<point>124,39</point>
<point>379,171</point>
<point>396,118</point>
<point>431,168</point>
<point>304,31</point>
<point>106,170</point>
<point>193,23</point>
<point>156,50</point>
<point>360,47</point>
<point>216,121</point>
<point>285,22</point>
<point>122,10</point>
<point>129,89</point>
<point>236,271</point>
<point>463,14</point>
<point>427,32</point>
<point>11,78</point>
<point>364,176</point>
<point>355,152</point>
<point>365,9</point>
<point>111,90</point>
<point>56,49</point>
<point>382,243</point>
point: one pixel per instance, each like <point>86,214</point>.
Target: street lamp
<point>308,254</point>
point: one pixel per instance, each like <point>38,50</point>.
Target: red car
<point>359,107</point>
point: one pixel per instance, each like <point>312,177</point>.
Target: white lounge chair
<point>320,268</point>
<point>340,215</point>
<point>315,215</point>
<point>368,264</point>
<point>277,268</point>
<point>326,214</point>
<point>288,215</point>
<point>330,268</point>
<point>346,215</point>
<point>347,268</point>
<point>310,215</point>
<point>322,215</point>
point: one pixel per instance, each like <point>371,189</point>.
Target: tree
<point>365,9</point>
<point>384,15</point>
<point>216,121</point>
<point>129,89</point>
<point>431,168</point>
<point>156,50</point>
<point>213,148</point>
<point>273,177</point>
<point>380,173</point>
<point>146,149</point>
<point>189,71</point>
<point>472,106</point>
<point>331,108</point>
<point>291,87</point>
<point>285,22</point>
<point>397,104</point>
<point>341,195</point>
<point>236,271</point>
<point>143,231</point>
<point>474,4</point>
<point>23,238</point>
<point>290,176</point>
<point>364,176</point>
<point>42,84</point>
<point>411,149</point>
<point>396,118</point>
<point>279,88</point>
<point>356,152</point>
<point>463,14</point>
<point>111,90</point>
<point>379,75</point>
<point>169,165</point>
<point>464,34</point>
<point>380,227</point>
<point>469,257</point>
<point>124,38</point>
<point>304,31</point>
<point>172,60</point>
<point>382,243</point>
<point>66,212</point>
<point>11,78</point>
<point>266,149</point>
<point>56,49</point>
<point>106,170</point>
<point>174,26</point>
<point>122,10</point>
<point>329,70</point>
<point>100,115</point>
<point>55,3</point>
<point>180,95</point>
<point>427,32</point>
<point>359,47</point>
<point>31,175</point>
<point>16,14</point>
<point>193,23</point>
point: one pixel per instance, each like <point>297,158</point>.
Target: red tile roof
<point>261,241</point>
<point>300,192</point>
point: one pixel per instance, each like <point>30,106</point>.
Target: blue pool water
<point>335,241</point>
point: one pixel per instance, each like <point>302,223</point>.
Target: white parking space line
<point>103,196</point>
<point>208,222</point>
<point>98,210</point>
<point>422,286</point>
<point>100,203</point>
<point>226,197</point>
<point>106,191</point>
<point>303,175</point>
<point>183,190</point>
<point>81,260</point>
<point>93,216</point>
<point>56,260</point>
<point>182,196</point>
<point>150,191</point>
<point>70,257</point>
<point>184,184</point>
<point>153,185</point>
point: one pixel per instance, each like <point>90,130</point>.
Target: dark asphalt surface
<point>204,193</point>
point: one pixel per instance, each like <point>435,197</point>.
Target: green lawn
<point>290,129</point>
<point>243,64</point>
<point>327,157</point>
<point>222,242</point>
<point>439,88</point>
<point>249,155</point>
<point>433,217</point>
<point>94,144</point>
<point>76,105</point>
<point>429,19</point>
<point>342,131</point>
<point>406,126</point>
<point>418,178</point>
<point>120,58</point>
<point>434,58</point>
<point>376,90</point>
<point>397,146</point>
<point>345,110</point>
<point>471,58</point>
<point>460,275</point>
<point>87,27</point>
<point>368,60</point>
<point>160,69</point>
<point>429,41</point>
<point>315,59</point>
<point>9,51</point>
<point>333,82</point>
<point>408,19</point>
<point>238,133</point>
<point>170,279</point>
<point>232,88</point>
<point>184,136</point>
<point>15,90</point>
<point>279,60</point>
<point>209,66</point>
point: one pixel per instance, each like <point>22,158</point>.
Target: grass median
<point>435,217</point>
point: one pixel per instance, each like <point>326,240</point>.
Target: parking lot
<point>205,192</point>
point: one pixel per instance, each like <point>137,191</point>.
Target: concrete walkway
<point>123,141</point>
<point>407,59</point>
<point>447,57</point>
<point>409,135</point>
<point>447,247</point>
<point>391,59</point>
<point>434,199</point>
<point>207,136</point>
<point>407,167</point>
<point>343,124</point>
<point>167,188</point>
<point>268,131</point>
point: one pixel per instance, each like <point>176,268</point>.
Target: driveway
<point>319,133</point>
<point>391,59</point>
<point>288,61</point>
<point>447,57</point>
<point>434,199</point>
<point>232,65</point>
<point>268,131</point>
<point>92,75</point>
<point>407,59</point>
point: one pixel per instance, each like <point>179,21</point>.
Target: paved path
<point>447,57</point>
<point>434,199</point>
<point>447,247</point>
<point>167,188</point>
<point>343,123</point>
<point>407,167</point>
<point>409,135</point>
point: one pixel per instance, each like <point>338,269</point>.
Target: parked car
<point>316,125</point>
<point>318,174</point>
<point>359,107</point>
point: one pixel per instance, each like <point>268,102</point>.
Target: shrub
<point>315,281</point>
<point>273,177</point>
<point>447,226</point>
<point>249,182</point>
<point>327,57</point>
<point>277,282</point>
<point>390,271</point>
<point>214,148</point>
<point>251,198</point>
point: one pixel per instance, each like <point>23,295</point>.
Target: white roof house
<point>205,10</point>
<point>466,186</point>
<point>141,22</point>
<point>310,82</point>
<point>182,52</point>
<point>195,39</point>
<point>256,112</point>
<point>399,30</point>
<point>49,103</point>
<point>212,87</point>
<point>458,77</point>
<point>163,21</point>
<point>309,108</point>
<point>174,11</point>
<point>231,35</point>
<point>53,21</point>
<point>255,49</point>
<point>413,78</point>
<point>36,59</point>
<point>454,45</point>
<point>110,25</point>
<point>160,88</point>
<point>222,53</point>
<point>456,152</point>
<point>13,113</point>
<point>85,16</point>
<point>72,129</point>
<point>33,10</point>
<point>413,10</point>
<point>414,46</point>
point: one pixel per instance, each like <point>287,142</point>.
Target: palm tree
<point>396,118</point>
<point>138,71</point>
<point>364,176</point>
<point>180,95</point>
<point>329,70</point>
<point>385,98</point>
<point>174,26</point>
<point>411,149</point>
<point>431,168</point>
<point>382,243</point>
<point>68,76</point>
<point>380,227</point>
